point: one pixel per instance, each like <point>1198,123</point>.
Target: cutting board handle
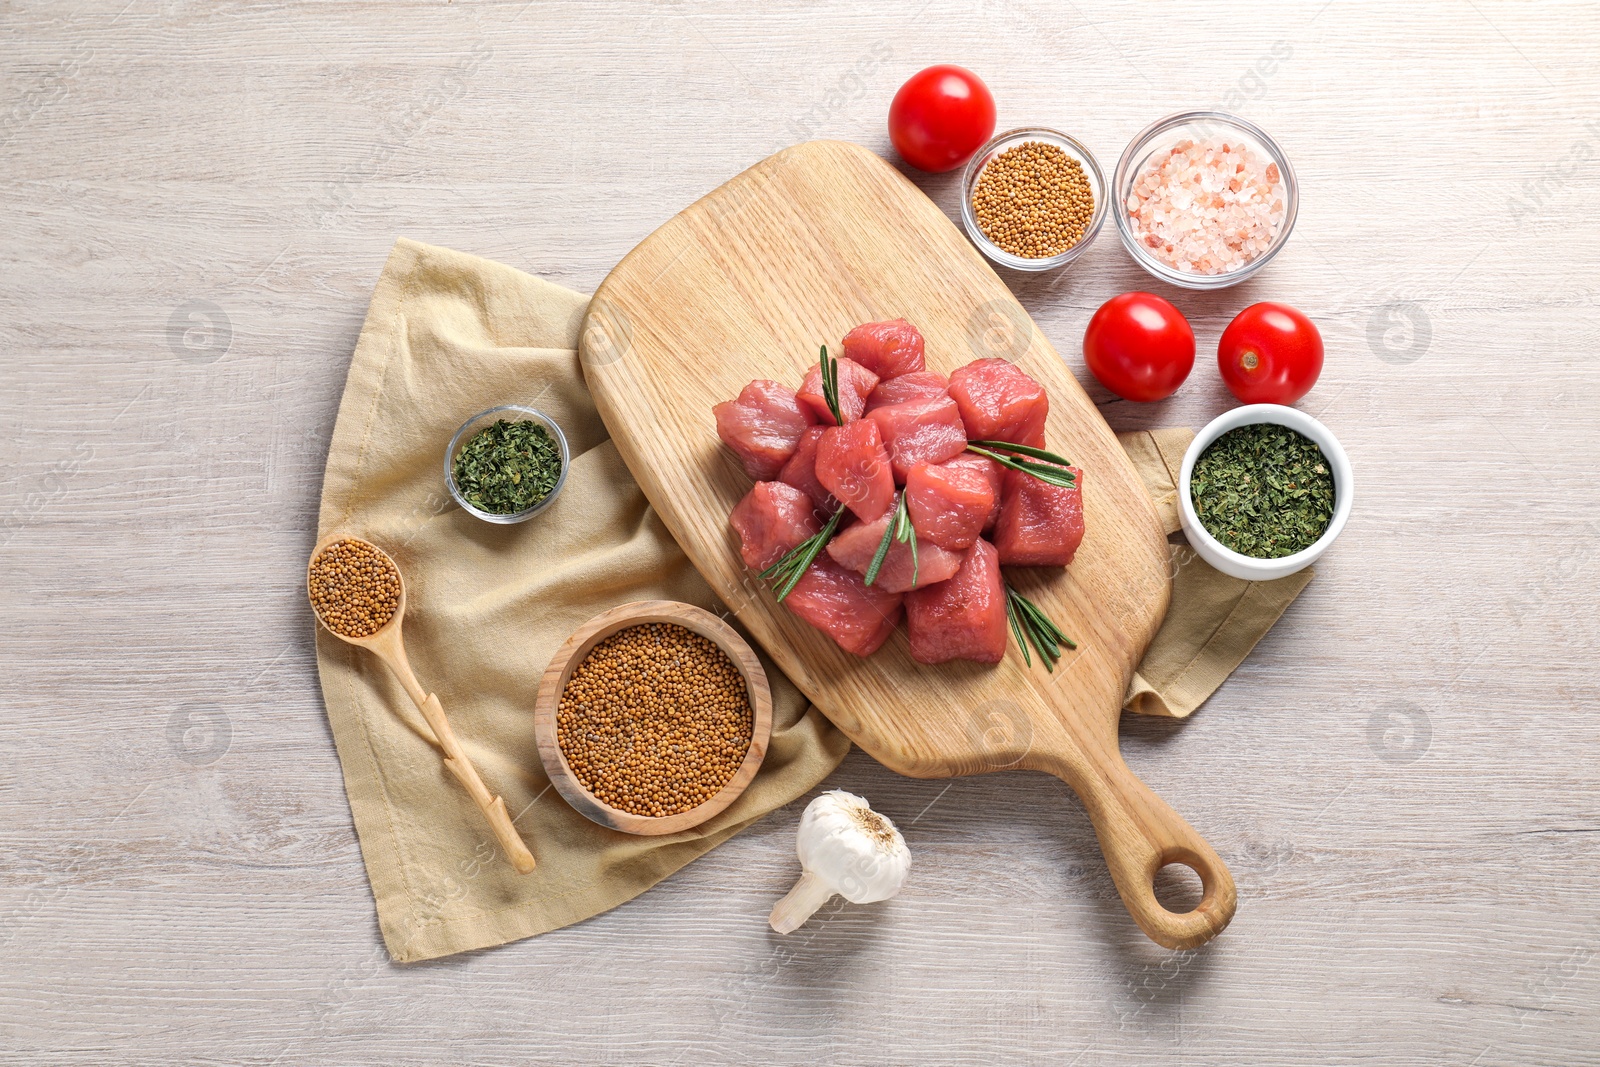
<point>1140,834</point>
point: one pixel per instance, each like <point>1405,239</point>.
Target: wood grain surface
<point>743,285</point>
<point>1402,777</point>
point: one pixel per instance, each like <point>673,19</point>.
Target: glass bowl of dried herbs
<point>1263,491</point>
<point>506,464</point>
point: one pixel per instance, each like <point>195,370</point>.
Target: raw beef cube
<point>1040,525</point>
<point>990,470</point>
<point>887,349</point>
<point>763,426</point>
<point>836,601</point>
<point>853,465</point>
<point>963,618</point>
<point>920,431</point>
<point>918,385</point>
<point>801,471</point>
<point>771,519</point>
<point>949,503</point>
<point>855,547</point>
<point>1000,403</point>
<point>855,382</point>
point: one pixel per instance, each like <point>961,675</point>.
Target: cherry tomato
<point>1139,346</point>
<point>940,117</point>
<point>1270,354</point>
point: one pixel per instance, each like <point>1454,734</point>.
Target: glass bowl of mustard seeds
<point>1033,199</point>
<point>506,464</point>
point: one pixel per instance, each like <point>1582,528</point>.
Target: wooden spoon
<point>388,646</point>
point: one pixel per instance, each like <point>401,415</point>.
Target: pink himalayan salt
<point>1207,207</point>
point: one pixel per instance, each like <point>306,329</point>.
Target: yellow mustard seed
<point>1033,200</point>
<point>655,720</point>
<point>354,588</point>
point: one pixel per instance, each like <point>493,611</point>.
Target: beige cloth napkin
<point>1214,620</point>
<point>448,335</point>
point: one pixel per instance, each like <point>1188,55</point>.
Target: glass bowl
<point>1010,139</point>
<point>1199,125</point>
<point>511,413</point>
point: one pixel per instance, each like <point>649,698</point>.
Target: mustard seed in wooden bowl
<point>653,717</point>
<point>655,720</point>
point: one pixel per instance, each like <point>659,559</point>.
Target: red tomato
<point>940,117</point>
<point>1139,346</point>
<point>1270,354</point>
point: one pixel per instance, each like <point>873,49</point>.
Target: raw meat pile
<point>905,431</point>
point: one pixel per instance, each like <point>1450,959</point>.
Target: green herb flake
<point>508,467</point>
<point>1263,490</point>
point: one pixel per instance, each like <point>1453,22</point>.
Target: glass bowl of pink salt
<point>1204,199</point>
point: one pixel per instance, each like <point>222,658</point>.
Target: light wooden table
<point>196,202</point>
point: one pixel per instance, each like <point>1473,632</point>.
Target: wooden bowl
<point>581,643</point>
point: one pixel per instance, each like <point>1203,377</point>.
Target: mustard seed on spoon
<point>358,594</point>
<point>354,587</point>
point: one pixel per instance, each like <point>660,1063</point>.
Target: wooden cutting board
<point>747,283</point>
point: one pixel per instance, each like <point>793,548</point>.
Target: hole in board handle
<point>1178,887</point>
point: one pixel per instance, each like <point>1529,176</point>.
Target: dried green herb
<point>508,467</point>
<point>1263,490</point>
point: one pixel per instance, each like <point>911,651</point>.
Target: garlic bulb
<point>846,848</point>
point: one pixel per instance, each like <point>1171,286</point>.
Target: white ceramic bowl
<point>1237,564</point>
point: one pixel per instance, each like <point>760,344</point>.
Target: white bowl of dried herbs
<point>1264,490</point>
<point>506,464</point>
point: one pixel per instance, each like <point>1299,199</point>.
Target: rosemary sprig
<point>1052,471</point>
<point>899,529</point>
<point>792,567</point>
<point>830,385</point>
<point>1032,625</point>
